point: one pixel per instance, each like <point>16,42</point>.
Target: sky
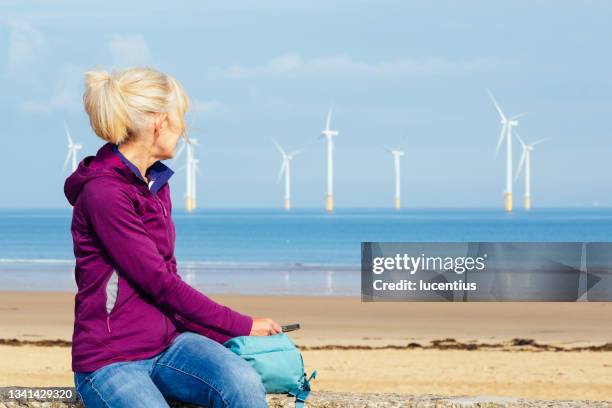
<point>404,74</point>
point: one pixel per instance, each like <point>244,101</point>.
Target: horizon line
<point>321,208</point>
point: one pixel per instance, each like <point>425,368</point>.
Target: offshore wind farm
<point>191,165</point>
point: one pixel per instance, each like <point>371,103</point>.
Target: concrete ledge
<point>351,400</point>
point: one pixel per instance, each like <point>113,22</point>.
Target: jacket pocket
<point>112,292</point>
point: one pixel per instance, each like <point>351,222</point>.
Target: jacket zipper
<point>165,215</point>
<point>162,205</point>
<point>168,240</point>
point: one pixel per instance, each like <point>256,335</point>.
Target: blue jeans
<point>193,369</point>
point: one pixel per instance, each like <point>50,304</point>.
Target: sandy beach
<point>531,350</point>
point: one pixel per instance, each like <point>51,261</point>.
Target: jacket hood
<point>104,164</point>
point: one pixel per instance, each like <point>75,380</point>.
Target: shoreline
<point>252,278</point>
<point>346,321</point>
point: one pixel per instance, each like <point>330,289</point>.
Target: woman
<point>141,334</point>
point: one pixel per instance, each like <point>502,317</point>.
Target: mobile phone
<point>290,327</point>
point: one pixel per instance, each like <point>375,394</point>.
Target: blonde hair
<point>119,102</point>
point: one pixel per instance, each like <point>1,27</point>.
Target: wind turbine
<point>191,169</point>
<point>73,148</point>
<point>286,170</point>
<point>329,134</point>
<point>397,154</point>
<point>506,131</point>
<point>526,160</point>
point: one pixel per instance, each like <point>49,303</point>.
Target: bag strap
<point>302,393</point>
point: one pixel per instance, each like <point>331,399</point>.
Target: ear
<point>161,120</point>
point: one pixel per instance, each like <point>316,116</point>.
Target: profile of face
<point>166,131</point>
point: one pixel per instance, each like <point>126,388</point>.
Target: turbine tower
<point>506,131</point>
<point>526,160</point>
<point>329,134</point>
<point>73,148</point>
<point>286,171</point>
<point>396,165</point>
<point>191,170</point>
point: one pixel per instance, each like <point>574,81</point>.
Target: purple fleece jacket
<point>131,303</point>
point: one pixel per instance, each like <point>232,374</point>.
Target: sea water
<point>269,251</point>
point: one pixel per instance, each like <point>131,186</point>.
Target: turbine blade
<point>282,170</point>
<point>68,134</point>
<point>520,140</point>
<point>68,157</point>
<point>538,141</point>
<point>178,154</point>
<point>329,115</point>
<point>296,152</point>
<point>387,149</point>
<point>502,134</point>
<point>496,105</point>
<point>520,166</point>
<point>280,149</point>
<point>518,116</point>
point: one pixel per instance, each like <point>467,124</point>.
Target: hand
<point>263,326</point>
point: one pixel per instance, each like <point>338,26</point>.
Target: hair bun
<point>120,103</point>
<point>107,110</point>
<point>97,78</point>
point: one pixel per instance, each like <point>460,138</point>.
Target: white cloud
<point>292,64</point>
<point>26,46</point>
<point>65,93</point>
<point>59,100</point>
<point>203,108</point>
<point>129,51</point>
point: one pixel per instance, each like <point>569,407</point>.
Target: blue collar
<point>158,172</point>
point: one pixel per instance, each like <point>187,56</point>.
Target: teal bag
<point>278,362</point>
